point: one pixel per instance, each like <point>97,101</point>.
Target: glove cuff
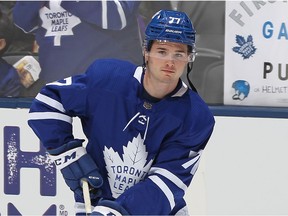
<point>106,207</point>
<point>104,210</point>
<point>68,157</point>
<point>80,208</point>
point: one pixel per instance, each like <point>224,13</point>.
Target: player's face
<point>166,61</point>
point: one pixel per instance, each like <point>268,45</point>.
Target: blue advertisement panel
<point>30,183</point>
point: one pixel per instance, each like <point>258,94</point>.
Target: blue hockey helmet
<point>172,26</point>
<point>242,89</point>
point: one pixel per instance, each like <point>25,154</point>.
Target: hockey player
<point>146,129</point>
<point>72,34</point>
<point>10,84</point>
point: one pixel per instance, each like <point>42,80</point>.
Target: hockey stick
<point>86,195</point>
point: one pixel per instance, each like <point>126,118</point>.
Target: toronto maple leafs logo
<point>246,48</point>
<point>57,21</point>
<point>123,174</point>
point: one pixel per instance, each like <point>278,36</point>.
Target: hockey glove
<point>75,164</point>
<point>80,209</point>
<point>108,207</point>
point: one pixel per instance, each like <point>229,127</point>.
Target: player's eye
<point>180,56</point>
<point>162,53</point>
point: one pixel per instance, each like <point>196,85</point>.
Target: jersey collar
<point>178,92</point>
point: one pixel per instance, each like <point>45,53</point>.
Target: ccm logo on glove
<point>68,157</point>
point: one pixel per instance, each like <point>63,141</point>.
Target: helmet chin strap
<point>189,69</point>
<point>144,64</point>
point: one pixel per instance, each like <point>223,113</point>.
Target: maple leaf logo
<point>57,21</point>
<point>123,174</point>
<point>245,48</point>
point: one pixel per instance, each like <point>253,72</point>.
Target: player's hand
<point>75,164</point>
<point>108,207</point>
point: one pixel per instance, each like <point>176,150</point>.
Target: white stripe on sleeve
<point>167,174</point>
<point>191,162</point>
<point>50,115</point>
<point>51,102</point>
<point>121,13</point>
<point>104,15</point>
<point>165,189</point>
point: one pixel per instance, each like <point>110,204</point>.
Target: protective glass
<point>177,56</point>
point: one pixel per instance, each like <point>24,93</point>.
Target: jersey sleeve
<point>26,15</point>
<point>52,110</point>
<point>114,15</point>
<point>10,85</point>
<point>171,173</point>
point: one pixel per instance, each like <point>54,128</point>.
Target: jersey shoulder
<point>199,111</point>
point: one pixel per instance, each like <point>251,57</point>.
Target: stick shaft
<point>86,195</point>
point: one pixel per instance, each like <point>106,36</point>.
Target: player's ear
<point>145,54</point>
<point>2,43</point>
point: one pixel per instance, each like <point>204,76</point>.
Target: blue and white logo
<point>242,89</point>
<point>246,48</point>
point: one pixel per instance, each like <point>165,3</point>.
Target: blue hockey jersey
<point>10,85</point>
<point>148,151</point>
<point>72,34</point>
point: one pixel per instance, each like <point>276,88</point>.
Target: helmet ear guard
<point>192,54</point>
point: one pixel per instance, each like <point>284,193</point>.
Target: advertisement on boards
<point>256,63</point>
<point>29,181</point>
